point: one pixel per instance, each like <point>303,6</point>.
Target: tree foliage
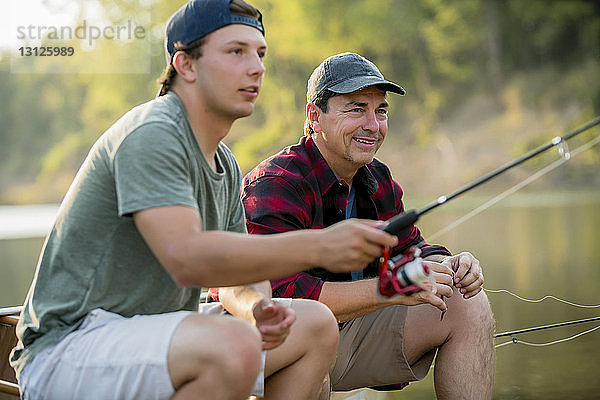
<point>478,74</point>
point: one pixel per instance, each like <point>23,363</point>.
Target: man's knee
<point>475,312</point>
<point>316,331</point>
<point>226,349</point>
<point>483,311</point>
<point>320,321</point>
<point>241,355</point>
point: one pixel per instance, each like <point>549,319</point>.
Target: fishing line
<point>565,156</point>
<point>541,299</point>
<point>513,334</point>
<point>514,340</point>
<point>539,328</point>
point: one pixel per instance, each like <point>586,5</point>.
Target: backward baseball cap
<point>345,73</point>
<point>198,18</point>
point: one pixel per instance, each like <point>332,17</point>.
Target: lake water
<point>532,244</point>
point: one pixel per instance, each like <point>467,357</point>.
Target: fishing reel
<point>404,274</point>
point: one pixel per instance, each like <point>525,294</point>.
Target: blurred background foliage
<point>486,80</point>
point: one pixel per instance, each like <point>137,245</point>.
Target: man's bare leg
<point>464,366</point>
<point>298,369</point>
<point>214,357</point>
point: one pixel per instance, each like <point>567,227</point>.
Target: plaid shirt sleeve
<point>274,205</point>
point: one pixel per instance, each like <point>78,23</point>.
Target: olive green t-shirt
<point>94,256</point>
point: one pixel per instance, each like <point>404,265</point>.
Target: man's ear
<point>313,114</point>
<point>185,66</point>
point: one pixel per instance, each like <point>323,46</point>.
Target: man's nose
<point>371,123</point>
<point>257,67</point>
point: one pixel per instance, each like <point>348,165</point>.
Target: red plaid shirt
<point>296,189</point>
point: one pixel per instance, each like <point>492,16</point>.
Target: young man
<point>154,214</point>
<point>331,175</point>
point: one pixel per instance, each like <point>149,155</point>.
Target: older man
<point>332,175</point>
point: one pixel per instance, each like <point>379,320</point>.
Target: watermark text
<point>86,32</point>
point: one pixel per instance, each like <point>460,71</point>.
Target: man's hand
<point>433,292</point>
<point>468,277</point>
<point>442,275</point>
<point>273,321</point>
<point>352,244</point>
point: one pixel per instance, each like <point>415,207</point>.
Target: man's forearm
<point>215,258</point>
<point>349,300</point>
<point>197,258</point>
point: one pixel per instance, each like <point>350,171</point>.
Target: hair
<point>322,102</point>
<point>241,7</point>
<point>194,49</point>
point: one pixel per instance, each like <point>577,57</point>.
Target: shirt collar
<point>363,180</point>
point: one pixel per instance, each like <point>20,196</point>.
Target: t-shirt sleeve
<point>152,169</point>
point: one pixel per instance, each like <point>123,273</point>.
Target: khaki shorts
<point>370,352</point>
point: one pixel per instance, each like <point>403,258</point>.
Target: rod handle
<point>398,224</point>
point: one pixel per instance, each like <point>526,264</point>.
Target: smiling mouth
<point>365,142</point>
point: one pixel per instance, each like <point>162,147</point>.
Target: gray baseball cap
<point>346,73</point>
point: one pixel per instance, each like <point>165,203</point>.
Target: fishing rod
<point>402,221</point>
<point>406,273</point>
<point>539,328</point>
